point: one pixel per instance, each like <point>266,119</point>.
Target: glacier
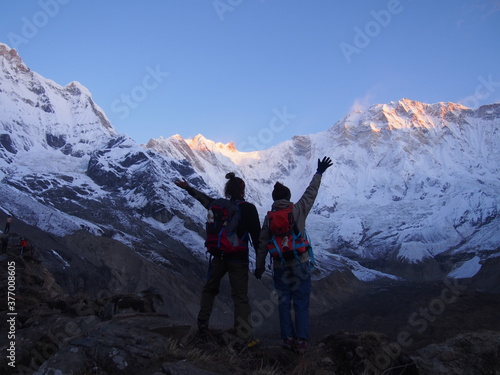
<point>412,186</point>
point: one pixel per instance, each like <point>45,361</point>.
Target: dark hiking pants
<point>238,279</point>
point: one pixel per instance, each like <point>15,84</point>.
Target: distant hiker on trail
<point>23,244</point>
<point>283,236</point>
<point>7,224</point>
<point>229,252</point>
<point>5,242</point>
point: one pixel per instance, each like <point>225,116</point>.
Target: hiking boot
<point>288,343</point>
<point>301,346</point>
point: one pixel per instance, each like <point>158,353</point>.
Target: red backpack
<point>286,242</point>
<point>222,222</point>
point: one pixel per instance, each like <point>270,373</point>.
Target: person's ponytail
<point>235,187</point>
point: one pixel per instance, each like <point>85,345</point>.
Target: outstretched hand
<point>324,164</point>
<point>182,184</point>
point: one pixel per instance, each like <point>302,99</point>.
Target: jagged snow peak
<point>212,160</point>
<point>410,180</point>
<point>38,113</point>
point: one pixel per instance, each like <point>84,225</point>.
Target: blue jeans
<point>293,284</point>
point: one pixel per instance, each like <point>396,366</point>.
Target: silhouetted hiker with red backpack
<point>230,224</point>
<point>283,236</point>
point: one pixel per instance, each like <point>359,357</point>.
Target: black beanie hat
<point>281,192</point>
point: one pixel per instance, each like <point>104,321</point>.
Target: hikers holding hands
<point>235,262</point>
<point>283,236</point>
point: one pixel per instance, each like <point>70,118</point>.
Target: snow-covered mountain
<point>64,168</point>
<point>412,183</point>
<point>413,191</point>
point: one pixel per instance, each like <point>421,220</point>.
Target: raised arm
<point>305,203</point>
<point>204,199</point>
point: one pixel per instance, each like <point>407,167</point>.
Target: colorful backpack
<point>222,222</point>
<point>286,242</point>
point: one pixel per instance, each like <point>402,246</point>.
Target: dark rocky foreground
<point>433,328</point>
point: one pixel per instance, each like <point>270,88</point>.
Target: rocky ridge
<point>59,331</point>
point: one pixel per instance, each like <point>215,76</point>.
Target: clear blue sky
<point>257,72</point>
